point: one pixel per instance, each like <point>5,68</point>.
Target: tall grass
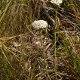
<point>37,54</point>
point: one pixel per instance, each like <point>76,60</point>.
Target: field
<point>45,54</point>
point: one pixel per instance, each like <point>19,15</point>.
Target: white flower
<point>39,24</point>
<point>57,2</point>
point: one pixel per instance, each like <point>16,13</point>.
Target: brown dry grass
<point>26,53</point>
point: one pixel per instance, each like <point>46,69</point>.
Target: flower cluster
<point>57,2</point>
<point>39,24</point>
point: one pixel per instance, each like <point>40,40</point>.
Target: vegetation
<point>30,54</point>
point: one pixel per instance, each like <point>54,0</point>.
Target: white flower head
<point>57,2</point>
<point>39,24</point>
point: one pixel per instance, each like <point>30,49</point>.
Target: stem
<point>55,67</point>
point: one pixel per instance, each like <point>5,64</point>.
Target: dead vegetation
<point>29,54</point>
